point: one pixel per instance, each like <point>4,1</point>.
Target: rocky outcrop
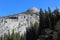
<point>57,27</point>
<point>18,22</point>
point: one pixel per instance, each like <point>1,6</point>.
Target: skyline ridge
<point>8,7</point>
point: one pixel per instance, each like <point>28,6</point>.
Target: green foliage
<point>47,22</point>
<point>13,36</point>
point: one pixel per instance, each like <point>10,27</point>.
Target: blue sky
<point>9,7</point>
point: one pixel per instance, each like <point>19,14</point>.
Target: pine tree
<point>42,21</point>
<point>18,36</point>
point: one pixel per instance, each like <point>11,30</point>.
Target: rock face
<point>18,22</point>
<point>57,27</point>
<point>34,10</point>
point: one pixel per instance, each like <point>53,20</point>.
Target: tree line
<point>44,30</point>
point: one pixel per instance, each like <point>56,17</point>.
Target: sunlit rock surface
<point>19,22</point>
